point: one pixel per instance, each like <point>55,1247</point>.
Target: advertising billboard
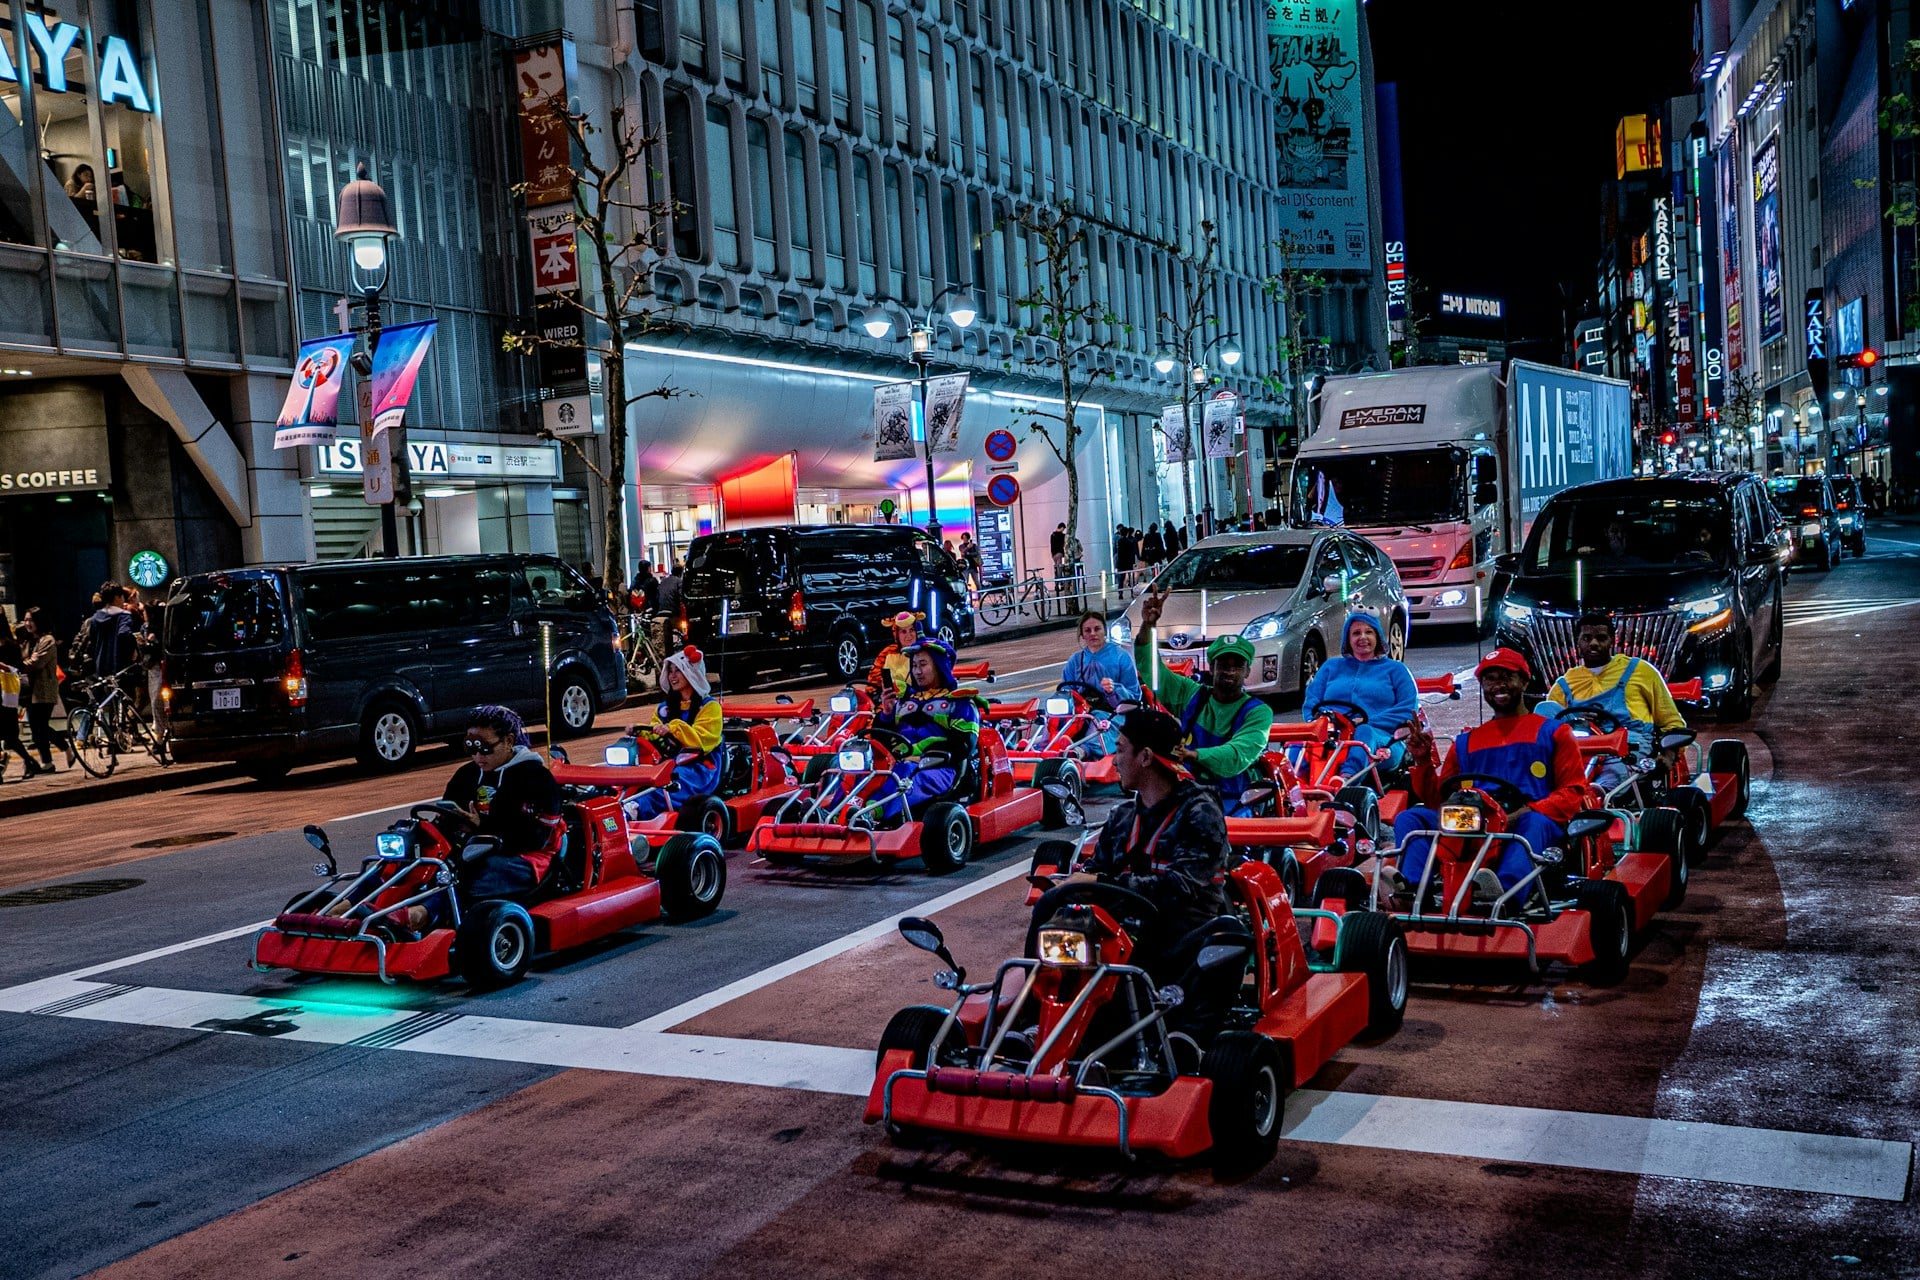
<point>1319,133</point>
<point>1766,239</point>
<point>1567,429</point>
<point>1730,285</point>
<point>1636,145</point>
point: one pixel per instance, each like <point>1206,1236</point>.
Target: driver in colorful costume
<point>686,727</point>
<point>933,715</point>
<point>1225,727</point>
<point>1629,690</point>
<point>1537,756</point>
<point>892,660</point>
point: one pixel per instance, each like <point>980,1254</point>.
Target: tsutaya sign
<point>119,72</point>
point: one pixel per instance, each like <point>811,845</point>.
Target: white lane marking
<point>155,954</point>
<point>1874,537</point>
<point>693,1008</point>
<point>371,813</point>
<point>1816,1164</point>
<point>1781,1159</point>
<point>1856,612</point>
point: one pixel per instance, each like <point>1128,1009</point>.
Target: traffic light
<point>1668,437</point>
<point>1862,359</point>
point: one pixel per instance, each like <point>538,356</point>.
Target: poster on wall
<point>1319,132</point>
<point>312,408</point>
<point>1173,428</point>
<point>893,422</point>
<point>1766,238</point>
<point>946,398</point>
<point>1730,284</point>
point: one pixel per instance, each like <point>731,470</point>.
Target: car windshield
<point>1791,496</point>
<point>727,565</point>
<point>221,614</point>
<point>1606,533</point>
<point>1413,486</point>
<point>1251,568</point>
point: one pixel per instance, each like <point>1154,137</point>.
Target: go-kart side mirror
<point>924,934</point>
<point>1676,739</point>
<point>317,837</point>
<point>1585,826</point>
<point>783,699</point>
<point>559,754</point>
<point>1218,955</point>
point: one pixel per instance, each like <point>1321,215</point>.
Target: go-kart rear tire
<point>1609,928</point>
<point>1290,875</point>
<point>1364,806</point>
<point>913,1029</point>
<point>1664,831</point>
<point>1696,817</point>
<point>1345,884</point>
<point>1061,773</point>
<point>817,767</point>
<point>708,816</point>
<point>692,870</point>
<point>494,945</point>
<point>1372,943</point>
<point>946,838</point>
<point>1729,755</point>
<point>1251,1076</point>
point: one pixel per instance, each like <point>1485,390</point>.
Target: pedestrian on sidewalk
<point>41,649</point>
<point>12,684</point>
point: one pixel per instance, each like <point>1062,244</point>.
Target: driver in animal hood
<point>1536,756</point>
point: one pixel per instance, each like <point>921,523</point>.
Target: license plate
<point>739,626</point>
<point>226,699</point>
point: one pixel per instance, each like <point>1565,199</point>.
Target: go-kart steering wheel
<point>892,739</point>
<point>1350,712</point>
<point>1592,714</point>
<point>1508,796</point>
<point>1132,910</point>
<point>1096,696</point>
<point>442,813</point>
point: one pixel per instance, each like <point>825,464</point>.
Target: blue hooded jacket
<point>1381,686</point>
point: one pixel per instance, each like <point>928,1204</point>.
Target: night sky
<point>1507,112</point>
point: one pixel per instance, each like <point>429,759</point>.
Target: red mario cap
<point>1506,660</point>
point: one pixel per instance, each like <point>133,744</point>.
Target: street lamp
<point>962,313</point>
<point>364,223</point>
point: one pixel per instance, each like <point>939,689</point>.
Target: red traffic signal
<point>1863,359</point>
<point>1668,437</point>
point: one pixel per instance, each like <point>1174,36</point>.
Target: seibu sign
<point>51,46</point>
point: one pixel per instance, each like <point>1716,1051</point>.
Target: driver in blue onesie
<point>932,716</point>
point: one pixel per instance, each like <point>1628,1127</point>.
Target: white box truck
<point>1445,467</point>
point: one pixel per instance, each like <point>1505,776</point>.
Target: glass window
<point>956,128</point>
<point>693,35</point>
<point>830,203</point>
<point>950,231</point>
<point>837,62</point>
<point>1003,123</point>
<point>803,74</point>
<point>556,586</point>
<point>760,188</point>
<point>863,224</point>
<point>898,232</point>
<point>253,192</point>
<point>766,34</point>
<point>680,176</point>
<point>977,124</point>
<point>897,85</point>
<point>1646,530</point>
<point>1029,128</point>
<point>1275,567</point>
<point>733,52</point>
<point>869,68</point>
<point>923,235</point>
<point>726,217</point>
<point>220,614</point>
<point>799,207</point>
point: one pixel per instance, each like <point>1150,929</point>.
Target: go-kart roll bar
<point>360,934</point>
<point>1452,917</point>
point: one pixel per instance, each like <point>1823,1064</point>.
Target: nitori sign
<point>119,72</point>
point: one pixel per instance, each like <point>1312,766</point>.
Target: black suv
<point>1690,566</point>
<point>1812,512</point>
<point>782,597</point>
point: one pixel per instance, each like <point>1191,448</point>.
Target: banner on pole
<point>1218,425</point>
<point>1174,427</point>
<point>396,367</point>
<point>946,397</point>
<point>893,422</point>
<point>312,407</point>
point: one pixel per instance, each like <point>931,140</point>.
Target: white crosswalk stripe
<point>1798,613</point>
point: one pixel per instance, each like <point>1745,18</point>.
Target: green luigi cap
<point>1231,647</point>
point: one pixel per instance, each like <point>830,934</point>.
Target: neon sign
<point>119,72</point>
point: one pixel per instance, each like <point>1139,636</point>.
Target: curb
<point>171,778</point>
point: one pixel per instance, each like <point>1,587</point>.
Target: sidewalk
<point>136,774</point>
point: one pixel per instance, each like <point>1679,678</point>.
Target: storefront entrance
<point>55,548</point>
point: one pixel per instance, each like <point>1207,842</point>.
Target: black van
<point>782,597</point>
<point>1690,565</point>
<point>273,666</point>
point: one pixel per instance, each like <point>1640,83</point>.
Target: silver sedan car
<point>1288,591</point>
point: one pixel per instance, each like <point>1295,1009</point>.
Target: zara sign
<point>119,72</point>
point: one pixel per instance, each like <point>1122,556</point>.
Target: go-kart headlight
<point>1058,706</point>
<point>391,845</point>
<point>1460,819</point>
<point>620,753</point>
<point>1121,632</point>
<point>841,704</point>
<point>857,758</point>
<point>1065,946</point>
<point>1266,626</point>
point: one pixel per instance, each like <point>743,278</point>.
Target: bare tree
<point>623,237</point>
<point>1187,328</point>
<point>1079,333</point>
<point>1291,286</point>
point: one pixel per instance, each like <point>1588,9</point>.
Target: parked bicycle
<point>107,725</point>
<point>644,654</point>
<point>997,604</point>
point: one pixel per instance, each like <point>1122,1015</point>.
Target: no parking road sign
<point>1001,445</point>
<point>1003,491</point>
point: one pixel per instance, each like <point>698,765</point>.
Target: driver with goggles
<point>932,716</point>
<point>1537,756</point>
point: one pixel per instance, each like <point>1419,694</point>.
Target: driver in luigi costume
<point>1225,728</point>
<point>1537,756</point>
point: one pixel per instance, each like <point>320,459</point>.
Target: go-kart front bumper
<point>367,955</point>
<point>1008,1106</point>
<point>832,840</point>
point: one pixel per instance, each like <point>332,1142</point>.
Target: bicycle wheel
<point>93,743</point>
<point>1040,601</point>
<point>996,606</point>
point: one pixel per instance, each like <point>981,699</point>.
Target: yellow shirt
<point>701,734</point>
<point>1648,699</point>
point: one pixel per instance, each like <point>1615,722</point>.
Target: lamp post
<point>962,313</point>
<point>1194,380</point>
<point>365,224</point>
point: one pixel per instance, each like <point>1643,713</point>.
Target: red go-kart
<point>1075,1046</point>
<point>356,923</point>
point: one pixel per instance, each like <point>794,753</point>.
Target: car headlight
<point>841,704</point>
<point>391,845</point>
<point>1450,598</point>
<point>1460,819</point>
<point>1266,626</point>
<point>1707,606</point>
<point>1518,614</point>
<point>1059,706</point>
<point>1811,529</point>
<point>1065,946</point>
<point>1121,632</point>
<point>857,758</point>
